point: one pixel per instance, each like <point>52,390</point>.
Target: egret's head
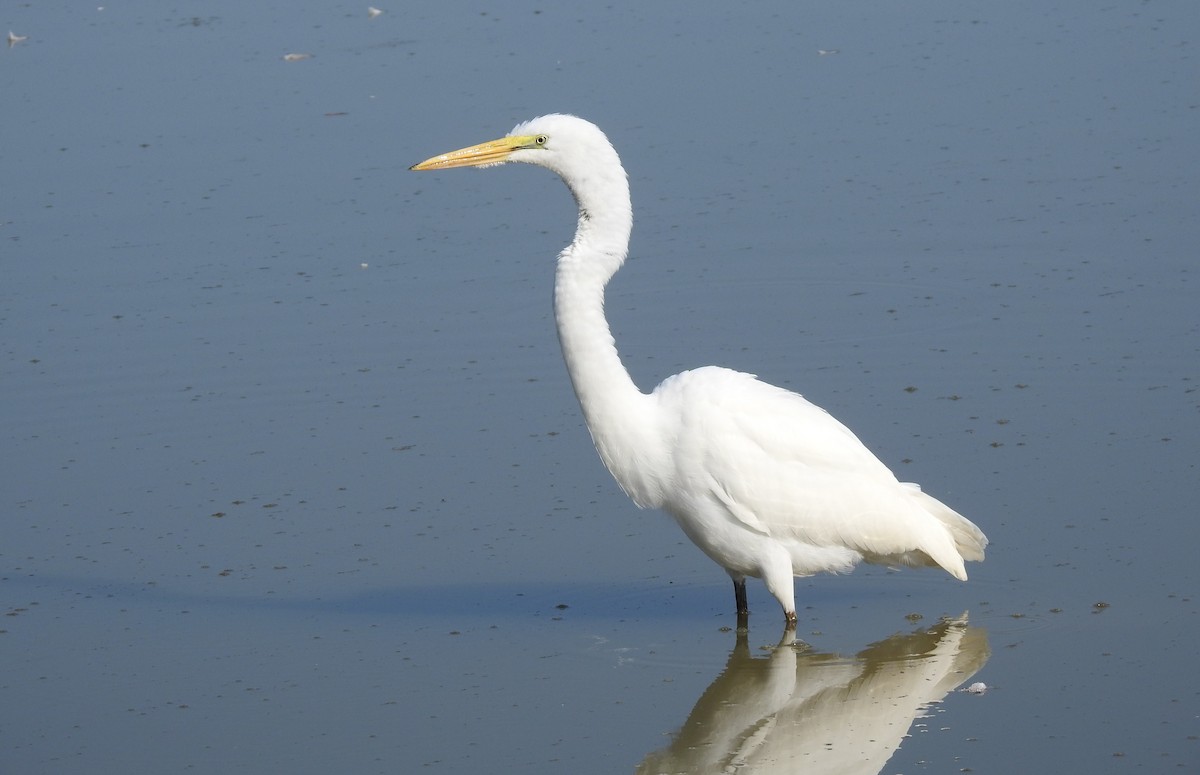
<point>579,153</point>
<point>562,143</point>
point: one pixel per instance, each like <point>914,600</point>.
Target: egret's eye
<point>540,140</point>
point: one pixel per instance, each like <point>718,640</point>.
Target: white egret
<point>764,482</point>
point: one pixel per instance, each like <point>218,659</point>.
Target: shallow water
<point>295,480</point>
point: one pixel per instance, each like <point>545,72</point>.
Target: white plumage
<point>765,483</point>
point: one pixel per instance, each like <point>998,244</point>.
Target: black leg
<point>739,596</point>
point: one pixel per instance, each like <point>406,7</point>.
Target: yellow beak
<point>482,155</point>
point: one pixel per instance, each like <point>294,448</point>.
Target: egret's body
<point>765,483</point>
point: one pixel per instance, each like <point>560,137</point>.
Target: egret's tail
<point>968,539</point>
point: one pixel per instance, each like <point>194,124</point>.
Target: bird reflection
<point>820,712</point>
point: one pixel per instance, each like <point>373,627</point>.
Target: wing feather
<point>787,468</point>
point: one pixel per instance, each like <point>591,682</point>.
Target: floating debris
<point>296,57</point>
<point>824,52</point>
<point>14,39</point>
<point>979,687</point>
<point>372,11</point>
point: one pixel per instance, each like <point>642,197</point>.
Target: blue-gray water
<point>294,480</point>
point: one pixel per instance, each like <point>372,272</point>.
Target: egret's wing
<point>785,467</point>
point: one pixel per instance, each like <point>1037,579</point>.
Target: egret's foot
<point>743,621</point>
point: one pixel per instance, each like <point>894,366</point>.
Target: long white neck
<point>619,416</point>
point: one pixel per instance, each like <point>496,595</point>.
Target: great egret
<point>764,482</point>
